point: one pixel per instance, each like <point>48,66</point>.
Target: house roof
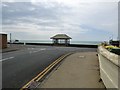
<point>2,33</point>
<point>61,36</point>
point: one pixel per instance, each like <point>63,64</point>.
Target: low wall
<point>109,68</point>
<point>83,45</point>
<point>46,44</point>
<point>69,45</point>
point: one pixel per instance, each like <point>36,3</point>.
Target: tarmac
<point>14,47</point>
<point>79,70</point>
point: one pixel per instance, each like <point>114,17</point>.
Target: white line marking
<point>33,52</point>
<point>6,59</point>
<point>30,48</point>
<point>43,49</point>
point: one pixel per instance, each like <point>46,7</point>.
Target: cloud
<point>49,17</point>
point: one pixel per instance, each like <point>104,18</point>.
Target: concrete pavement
<point>80,70</point>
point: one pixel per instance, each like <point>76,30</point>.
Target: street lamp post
<point>10,39</point>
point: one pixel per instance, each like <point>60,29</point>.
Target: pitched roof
<point>61,36</point>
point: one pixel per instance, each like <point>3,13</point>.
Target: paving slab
<point>79,70</point>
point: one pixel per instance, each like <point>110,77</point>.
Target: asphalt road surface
<point>19,67</point>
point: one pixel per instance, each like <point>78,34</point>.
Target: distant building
<point>61,39</point>
<point>3,40</point>
<point>114,43</point>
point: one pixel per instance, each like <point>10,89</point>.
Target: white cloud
<point>4,5</point>
<point>70,16</point>
<point>61,1</point>
<point>32,9</point>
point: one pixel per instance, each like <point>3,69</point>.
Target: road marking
<point>6,59</point>
<point>30,48</point>
<point>44,72</point>
<point>43,49</point>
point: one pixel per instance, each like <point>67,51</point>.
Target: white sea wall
<point>109,68</point>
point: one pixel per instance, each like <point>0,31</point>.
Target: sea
<point>71,42</point>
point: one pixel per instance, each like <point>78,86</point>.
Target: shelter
<point>3,40</point>
<point>61,39</point>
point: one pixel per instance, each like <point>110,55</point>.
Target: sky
<point>83,20</point>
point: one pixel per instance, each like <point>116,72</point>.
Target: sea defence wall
<point>109,68</point>
<point>69,45</point>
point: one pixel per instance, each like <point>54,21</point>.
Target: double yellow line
<point>44,72</point>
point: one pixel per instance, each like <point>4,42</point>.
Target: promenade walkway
<point>79,70</point>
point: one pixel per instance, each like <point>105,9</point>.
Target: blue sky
<point>82,20</point>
